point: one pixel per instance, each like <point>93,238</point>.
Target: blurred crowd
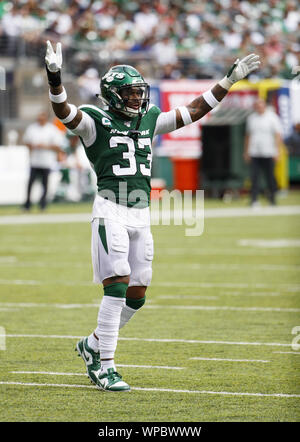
<point>191,38</point>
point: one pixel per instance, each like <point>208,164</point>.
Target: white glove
<point>240,70</point>
<point>53,60</point>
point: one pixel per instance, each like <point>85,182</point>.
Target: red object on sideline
<point>186,173</point>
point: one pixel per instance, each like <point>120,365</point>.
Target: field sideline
<point>216,341</point>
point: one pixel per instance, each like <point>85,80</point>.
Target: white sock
<point>126,315</point>
<point>93,343</point>
<point>108,325</point>
<point>105,365</point>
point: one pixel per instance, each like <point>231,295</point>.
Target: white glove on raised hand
<point>240,70</point>
<point>53,60</point>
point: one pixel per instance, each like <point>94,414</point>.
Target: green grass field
<point>229,297</point>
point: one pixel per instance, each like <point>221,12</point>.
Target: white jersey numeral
<point>117,169</point>
<point>142,142</point>
<point>130,156</point>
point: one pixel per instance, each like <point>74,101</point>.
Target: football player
<point>117,141</point>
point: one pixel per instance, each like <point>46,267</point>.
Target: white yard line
<point>195,341</point>
<point>223,308</point>
<point>163,251</point>
<point>228,360</point>
<point>45,218</point>
<point>232,267</point>
<point>180,341</point>
<point>6,305</point>
<point>270,243</point>
<point>190,214</point>
<point>245,294</point>
<point>19,282</point>
<point>196,266</point>
<point>41,283</point>
<point>207,285</point>
<point>236,251</point>
<point>44,264</point>
<point>8,259</point>
<point>162,367</point>
<point>187,297</point>
<point>165,390</point>
<point>54,373</point>
<point>50,373</point>
<point>248,211</point>
<point>235,285</point>
<point>45,282</point>
<point>53,305</point>
<point>288,352</point>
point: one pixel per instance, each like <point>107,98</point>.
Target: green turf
<point>290,197</point>
<point>49,266</point>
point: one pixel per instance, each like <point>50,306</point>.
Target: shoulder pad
<point>153,109</point>
<point>97,114</point>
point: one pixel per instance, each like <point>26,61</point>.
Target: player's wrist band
<point>185,115</point>
<point>60,98</point>
<point>210,99</point>
<point>71,116</point>
<point>54,78</point>
<point>225,83</point>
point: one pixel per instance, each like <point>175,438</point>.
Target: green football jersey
<point>122,164</point>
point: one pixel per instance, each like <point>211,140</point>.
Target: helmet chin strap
<point>134,133</point>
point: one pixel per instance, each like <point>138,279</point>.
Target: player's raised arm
<point>79,122</point>
<point>211,98</point>
<point>67,113</point>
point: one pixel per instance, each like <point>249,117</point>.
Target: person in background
<point>261,148</point>
<point>43,140</point>
<point>75,182</point>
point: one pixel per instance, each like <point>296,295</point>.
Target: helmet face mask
<point>124,90</point>
<point>135,98</point>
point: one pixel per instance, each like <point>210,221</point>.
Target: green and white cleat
<point>91,359</point>
<point>112,381</point>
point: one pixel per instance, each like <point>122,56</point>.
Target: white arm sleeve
<point>165,123</point>
<point>86,129</point>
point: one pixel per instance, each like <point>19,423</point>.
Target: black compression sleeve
<point>54,78</point>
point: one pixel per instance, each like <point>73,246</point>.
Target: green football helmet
<point>116,86</point>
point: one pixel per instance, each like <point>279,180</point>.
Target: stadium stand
<point>196,38</point>
<point>163,39</point>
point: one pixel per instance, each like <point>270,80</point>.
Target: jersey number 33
<point>130,155</point>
